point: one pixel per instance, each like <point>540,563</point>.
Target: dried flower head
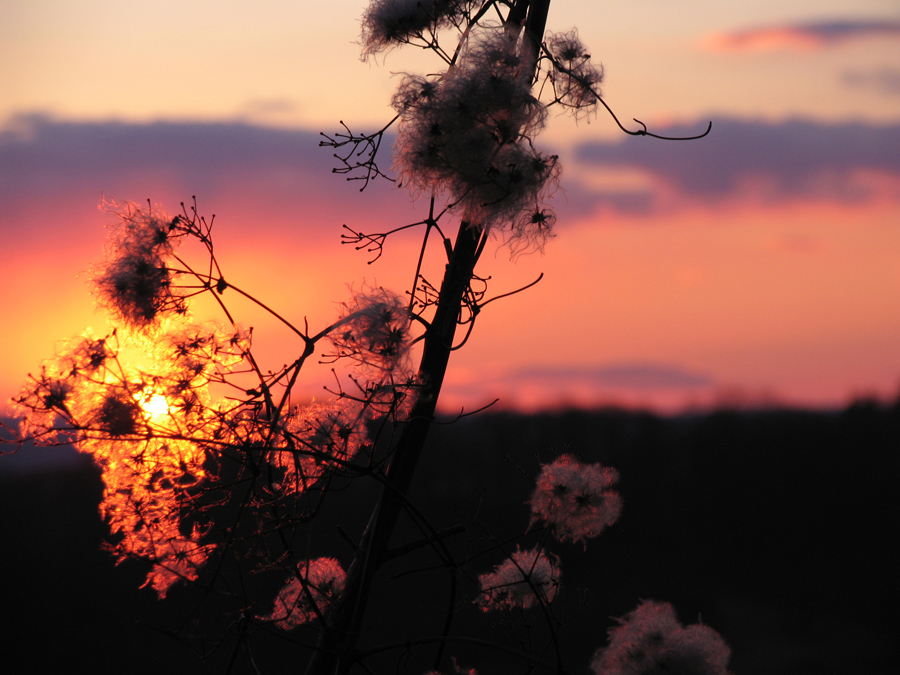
<point>374,331</point>
<point>392,22</point>
<point>87,355</point>
<point>317,439</point>
<point>522,580</point>
<point>574,78</point>
<point>575,499</point>
<point>118,414</point>
<point>45,399</point>
<point>143,229</point>
<point>176,559</point>
<point>135,285</point>
<point>308,593</point>
<point>470,134</point>
<point>650,640</point>
<point>530,230</point>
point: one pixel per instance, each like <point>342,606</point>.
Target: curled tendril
<point>589,87</point>
<point>644,132</point>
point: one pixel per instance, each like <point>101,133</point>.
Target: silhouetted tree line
<point>774,526</point>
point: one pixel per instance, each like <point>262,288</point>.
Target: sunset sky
<point>758,265</point>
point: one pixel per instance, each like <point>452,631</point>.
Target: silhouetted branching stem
<point>361,151</point>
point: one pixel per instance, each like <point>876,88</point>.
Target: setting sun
<point>155,404</point>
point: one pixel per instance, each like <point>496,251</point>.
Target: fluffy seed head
<point>575,499</point>
<point>522,580</point>
<point>392,22</point>
<point>316,436</point>
<point>650,640</point>
<point>135,285</point>
<point>42,402</point>
<point>323,579</point>
<point>469,134</point>
<point>177,559</point>
<point>118,414</point>
<point>574,78</point>
<point>374,332</point>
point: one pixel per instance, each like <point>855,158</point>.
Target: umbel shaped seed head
<point>651,641</point>
<point>575,499</point>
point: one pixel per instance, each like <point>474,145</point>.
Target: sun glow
<point>154,404</point>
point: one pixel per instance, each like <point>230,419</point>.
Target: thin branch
<point>484,304</point>
<point>588,86</point>
<point>365,146</point>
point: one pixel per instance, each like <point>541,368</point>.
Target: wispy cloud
<point>661,386</point>
<point>881,80</point>
<point>270,111</point>
<point>800,36</point>
<point>640,376</point>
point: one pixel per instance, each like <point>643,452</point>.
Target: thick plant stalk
<point>336,652</point>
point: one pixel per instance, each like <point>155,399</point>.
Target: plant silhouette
<point>216,475</point>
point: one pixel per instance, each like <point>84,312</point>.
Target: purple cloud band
<point>625,376</point>
<point>54,162</point>
<point>793,159</point>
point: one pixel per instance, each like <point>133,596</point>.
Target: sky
<point>757,266</point>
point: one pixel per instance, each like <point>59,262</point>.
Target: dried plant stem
<point>335,653</point>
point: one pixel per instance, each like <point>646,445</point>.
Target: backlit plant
<point>207,459</point>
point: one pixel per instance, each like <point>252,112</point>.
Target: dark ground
<point>775,527</point>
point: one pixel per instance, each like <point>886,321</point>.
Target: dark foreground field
<point>775,527</point>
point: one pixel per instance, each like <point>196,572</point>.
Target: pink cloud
<point>800,37</point>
